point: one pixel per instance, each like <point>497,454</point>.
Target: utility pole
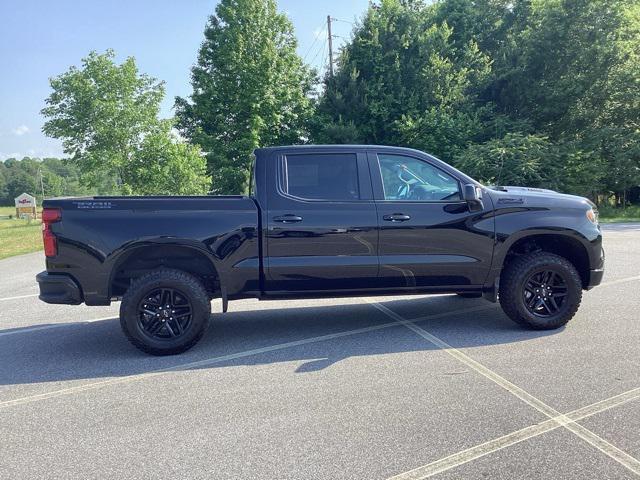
<point>330,45</point>
<point>41,182</point>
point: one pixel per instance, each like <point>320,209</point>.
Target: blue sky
<point>41,39</point>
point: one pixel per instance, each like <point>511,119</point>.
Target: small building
<point>26,206</point>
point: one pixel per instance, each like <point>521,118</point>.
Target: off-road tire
<point>190,287</point>
<point>512,285</point>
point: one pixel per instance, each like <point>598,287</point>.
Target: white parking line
<point>562,420</point>
<point>189,365</point>
<point>478,451</point>
<point>19,296</point>
<point>55,325</point>
<point>36,328</point>
<point>223,358</point>
<point>620,280</point>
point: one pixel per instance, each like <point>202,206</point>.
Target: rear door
<point>321,223</point>
<point>428,235</point>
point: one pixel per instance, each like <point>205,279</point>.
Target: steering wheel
<point>421,192</point>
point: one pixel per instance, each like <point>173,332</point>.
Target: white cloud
<point>4,156</point>
<point>21,130</point>
<point>33,153</point>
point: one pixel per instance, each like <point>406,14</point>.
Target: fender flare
<point>502,248</point>
<point>113,262</point>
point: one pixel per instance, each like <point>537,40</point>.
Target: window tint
<point>410,179</point>
<point>322,176</point>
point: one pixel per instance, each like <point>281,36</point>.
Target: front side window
<point>411,179</point>
<point>322,176</point>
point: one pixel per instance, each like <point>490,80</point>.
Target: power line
<point>315,40</point>
<point>324,58</point>
<point>330,40</point>
<point>344,21</point>
<point>318,51</point>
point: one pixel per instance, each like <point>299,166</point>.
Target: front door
<point>428,235</point>
<point>321,224</point>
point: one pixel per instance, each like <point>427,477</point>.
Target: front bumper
<point>58,288</point>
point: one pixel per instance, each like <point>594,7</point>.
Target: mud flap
<point>225,300</point>
<point>491,293</point>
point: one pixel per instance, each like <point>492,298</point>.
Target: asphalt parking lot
<point>375,388</point>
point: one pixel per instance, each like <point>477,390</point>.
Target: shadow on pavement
<point>98,349</point>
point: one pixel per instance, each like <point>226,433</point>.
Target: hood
<point>504,196</point>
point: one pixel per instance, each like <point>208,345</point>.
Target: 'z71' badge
<point>93,205</point>
<point>511,201</point>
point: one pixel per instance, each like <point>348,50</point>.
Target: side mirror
<point>472,194</point>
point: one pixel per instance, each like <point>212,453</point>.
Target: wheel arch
<point>140,258</point>
<point>567,244</point>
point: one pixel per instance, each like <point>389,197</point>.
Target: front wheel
<point>540,290</point>
<point>165,312</point>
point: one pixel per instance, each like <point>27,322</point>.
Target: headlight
<point>592,216</point>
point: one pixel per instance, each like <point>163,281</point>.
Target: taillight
<point>49,216</point>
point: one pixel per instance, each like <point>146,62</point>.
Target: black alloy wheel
<point>164,314</point>
<point>545,292</point>
<point>540,290</point>
<point>165,311</point>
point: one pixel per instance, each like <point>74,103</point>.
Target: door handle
<point>396,217</point>
<point>289,218</point>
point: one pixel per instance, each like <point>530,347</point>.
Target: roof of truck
<point>363,148</point>
<point>337,147</point>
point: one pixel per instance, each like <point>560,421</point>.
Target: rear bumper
<point>58,288</point>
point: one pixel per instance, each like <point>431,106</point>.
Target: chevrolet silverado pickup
<point>322,221</point>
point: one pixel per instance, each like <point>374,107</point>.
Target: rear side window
<point>322,176</point>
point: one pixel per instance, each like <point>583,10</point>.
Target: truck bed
<point>223,229</point>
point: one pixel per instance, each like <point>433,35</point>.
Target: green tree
<point>20,182</point>
<point>606,118</point>
<point>3,183</point>
<point>402,80</point>
<point>168,166</point>
<point>102,111</point>
<point>250,89</point>
<point>548,88</point>
<point>515,159</point>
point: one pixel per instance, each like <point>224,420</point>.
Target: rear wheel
<point>165,312</point>
<point>540,290</point>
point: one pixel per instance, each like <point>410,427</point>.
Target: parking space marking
<point>190,365</point>
<point>110,317</point>
<point>478,451</point>
<point>601,444</point>
<point>620,280</point>
<point>18,296</point>
<point>34,329</point>
<point>55,325</point>
<point>212,361</point>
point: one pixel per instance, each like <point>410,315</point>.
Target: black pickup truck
<point>322,221</point>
